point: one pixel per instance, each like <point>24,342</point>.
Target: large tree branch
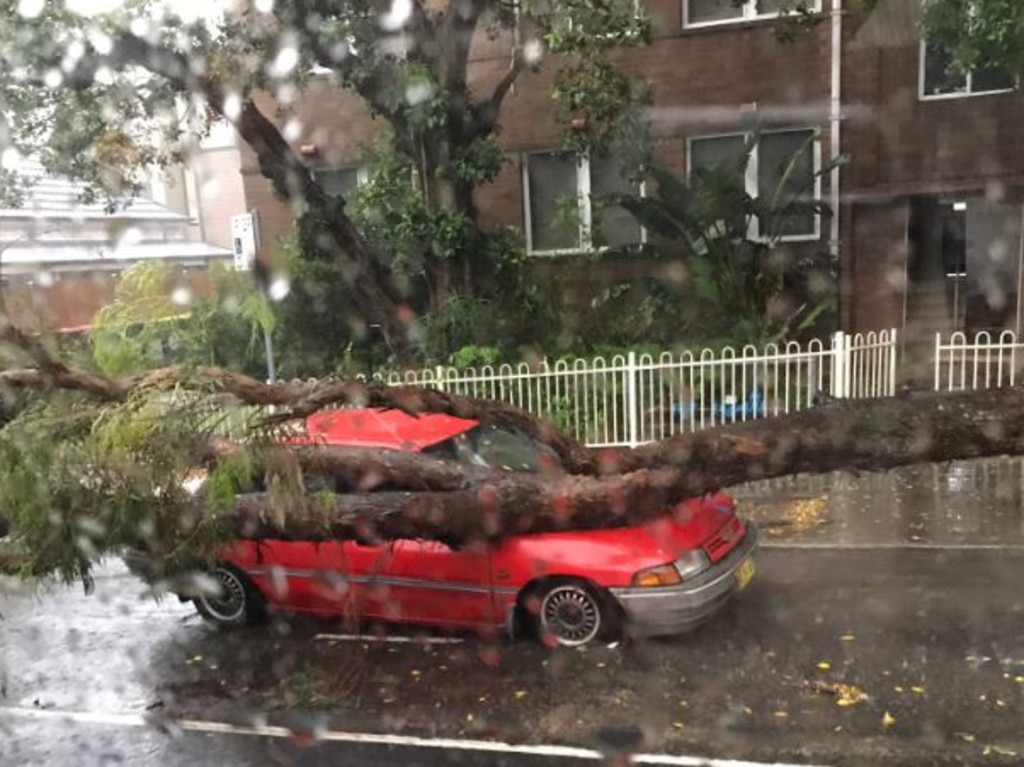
<point>485,113</point>
<point>377,298</point>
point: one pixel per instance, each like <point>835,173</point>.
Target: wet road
<point>933,638</point>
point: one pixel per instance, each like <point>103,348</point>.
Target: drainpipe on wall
<point>835,118</point>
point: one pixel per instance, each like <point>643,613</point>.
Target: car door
<point>365,567</point>
<point>433,584</point>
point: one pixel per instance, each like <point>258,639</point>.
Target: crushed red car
<point>572,587</point>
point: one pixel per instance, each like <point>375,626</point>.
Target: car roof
<point>384,428</point>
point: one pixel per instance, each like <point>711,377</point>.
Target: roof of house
<point>54,227</point>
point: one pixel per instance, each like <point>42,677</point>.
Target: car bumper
<point>674,609</point>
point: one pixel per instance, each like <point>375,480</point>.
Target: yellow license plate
<point>745,574</point>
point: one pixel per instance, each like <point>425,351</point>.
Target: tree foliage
<point>979,33</point>
<point>737,279</point>
<point>104,96</point>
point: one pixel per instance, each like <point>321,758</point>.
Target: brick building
<point>929,207</point>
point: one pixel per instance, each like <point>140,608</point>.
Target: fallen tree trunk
<point>458,506</point>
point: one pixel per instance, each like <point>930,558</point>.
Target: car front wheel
<point>234,600</point>
<point>572,613</point>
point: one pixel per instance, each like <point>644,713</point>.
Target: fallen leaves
<point>888,720</point>
<point>845,694</point>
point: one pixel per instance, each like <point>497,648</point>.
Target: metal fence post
<point>893,362</point>
<point>439,377</point>
<point>632,401</point>
<point>837,386</point>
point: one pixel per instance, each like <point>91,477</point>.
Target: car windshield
<point>499,447</point>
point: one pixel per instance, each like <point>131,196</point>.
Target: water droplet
<point>533,50</point>
<point>181,296</point>
<point>419,92</point>
<point>292,130</point>
<point>232,106</point>
<point>400,13</point>
<point>279,288</point>
<point>29,9</point>
<point>286,60</point>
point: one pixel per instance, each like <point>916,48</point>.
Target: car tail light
<point>663,575</point>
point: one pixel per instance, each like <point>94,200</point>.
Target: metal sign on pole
<point>245,239</point>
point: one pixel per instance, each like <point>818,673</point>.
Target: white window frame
<point>750,176</point>
<point>748,13</point>
<point>969,93</point>
<point>586,240</point>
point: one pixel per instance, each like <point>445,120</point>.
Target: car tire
<point>572,612</point>
<point>239,604</point>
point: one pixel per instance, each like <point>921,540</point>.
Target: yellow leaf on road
<point>520,694</point>
<point>918,690</point>
<point>824,665</point>
<point>898,689</point>
<point>888,720</point>
<point>966,737</point>
<point>781,714</point>
<point>677,725</point>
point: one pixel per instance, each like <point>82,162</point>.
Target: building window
<point>341,181</point>
<point>700,12</point>
<point>941,79</point>
<point>567,207</point>
<point>782,162</point>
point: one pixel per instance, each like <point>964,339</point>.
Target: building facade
<point>927,231</point>
<point>61,256</point>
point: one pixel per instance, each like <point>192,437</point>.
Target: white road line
<point>375,739</point>
<point>891,546</point>
<point>388,639</point>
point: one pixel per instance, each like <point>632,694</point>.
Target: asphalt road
<point>934,639</point>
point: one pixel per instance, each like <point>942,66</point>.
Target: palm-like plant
<point>742,279</point>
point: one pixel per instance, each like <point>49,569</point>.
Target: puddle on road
<point>960,503</point>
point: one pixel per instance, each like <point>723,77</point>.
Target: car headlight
<point>691,563</point>
<point>662,575</point>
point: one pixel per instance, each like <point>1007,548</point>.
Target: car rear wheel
<point>234,601</point>
<point>572,613</point>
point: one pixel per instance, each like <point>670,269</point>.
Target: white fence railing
<point>983,362</point>
<point>635,398</point>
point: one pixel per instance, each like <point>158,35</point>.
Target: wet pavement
<point>845,650</point>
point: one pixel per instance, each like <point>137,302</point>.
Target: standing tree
<point>101,90</point>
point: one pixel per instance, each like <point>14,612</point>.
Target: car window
<point>500,447</point>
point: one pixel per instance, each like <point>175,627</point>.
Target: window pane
<point>713,10</point>
<point>991,79</point>
<point>616,226</point>
<point>338,181</point>
<point>709,153</point>
<point>939,75</point>
<point>785,170</point>
<point>552,185</point>
<point>773,6</point>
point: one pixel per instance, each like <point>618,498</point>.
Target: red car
<point>662,577</point>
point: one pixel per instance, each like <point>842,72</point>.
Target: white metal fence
<point>983,362</point>
<point>634,398</point>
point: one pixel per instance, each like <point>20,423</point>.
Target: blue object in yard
<point>754,406</point>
